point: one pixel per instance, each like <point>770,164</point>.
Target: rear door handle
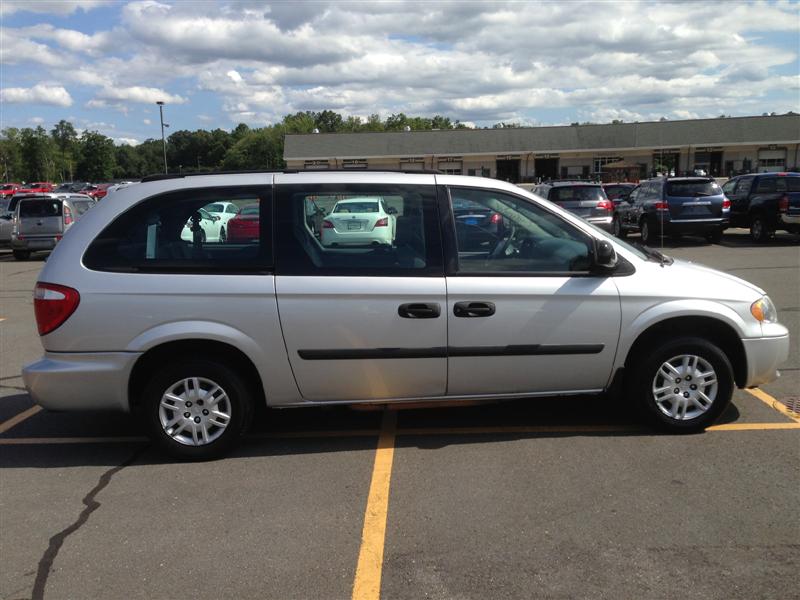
<point>419,310</point>
<point>473,309</point>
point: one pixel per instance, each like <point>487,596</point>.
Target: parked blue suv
<point>674,206</point>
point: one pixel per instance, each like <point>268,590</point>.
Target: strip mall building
<point>721,147</point>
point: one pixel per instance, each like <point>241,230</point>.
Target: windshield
<point>693,188</point>
<point>8,187</point>
<point>215,208</point>
<point>356,207</point>
<point>252,209</point>
<point>577,193</point>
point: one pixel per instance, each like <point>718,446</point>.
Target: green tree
<point>328,121</point>
<point>97,157</point>
<point>11,154</point>
<point>128,162</point>
<point>260,149</point>
<point>66,140</point>
<point>396,122</point>
<point>301,122</point>
<point>38,155</point>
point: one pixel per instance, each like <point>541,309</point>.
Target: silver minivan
<point>192,333</point>
<point>41,220</point>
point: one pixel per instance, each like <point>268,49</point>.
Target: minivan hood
<point>706,275</point>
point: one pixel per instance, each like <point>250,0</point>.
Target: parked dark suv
<point>674,206</point>
<point>765,202</point>
<point>586,199</point>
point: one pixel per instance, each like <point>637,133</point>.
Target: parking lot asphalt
<point>550,498</point>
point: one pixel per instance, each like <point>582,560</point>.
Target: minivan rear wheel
<point>196,409</point>
<point>683,386</point>
<point>646,231</point>
<point>759,230</point>
<point>22,254</point>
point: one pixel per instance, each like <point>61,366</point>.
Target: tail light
<point>662,206</point>
<point>495,219</point>
<point>605,205</point>
<point>327,224</point>
<point>67,216</point>
<point>783,204</point>
<point>726,204</point>
<point>384,222</point>
<point>53,304</point>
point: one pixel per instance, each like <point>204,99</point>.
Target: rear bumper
<point>34,243</point>
<point>80,380</point>
<point>695,225</point>
<point>764,355</point>
<point>601,222</point>
<point>789,221</point>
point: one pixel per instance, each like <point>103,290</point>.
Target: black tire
<point>642,377</point>
<point>239,397</point>
<point>714,237</point>
<point>645,227</point>
<point>617,228</point>
<point>759,229</point>
<point>22,254</point>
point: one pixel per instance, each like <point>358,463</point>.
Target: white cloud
<point>18,50</point>
<point>146,121</point>
<point>36,120</point>
<point>58,7</point>
<point>41,93</point>
<point>126,141</point>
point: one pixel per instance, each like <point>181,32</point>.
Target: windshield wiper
<point>660,257</point>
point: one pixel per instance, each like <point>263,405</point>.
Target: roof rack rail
<point>164,176</point>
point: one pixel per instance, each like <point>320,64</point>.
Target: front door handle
<point>473,309</point>
<point>419,310</point>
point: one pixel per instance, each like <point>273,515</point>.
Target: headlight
<point>764,310</point>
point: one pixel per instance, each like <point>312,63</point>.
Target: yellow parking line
<point>16,420</point>
<point>752,426</point>
<point>367,584</point>
<point>773,403</point>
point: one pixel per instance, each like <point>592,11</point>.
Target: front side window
<point>357,229</point>
<point>745,185</point>
<point>511,234</point>
<point>174,233</point>
<point>729,187</point>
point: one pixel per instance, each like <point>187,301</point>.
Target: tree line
<point>34,154</point>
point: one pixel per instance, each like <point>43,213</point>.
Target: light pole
<point>163,139</point>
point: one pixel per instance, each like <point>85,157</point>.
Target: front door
<point>363,312</point>
<point>525,315</point>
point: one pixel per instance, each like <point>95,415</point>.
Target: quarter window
<point>766,185</point>
<point>174,233</point>
<point>357,229</point>
<point>504,233</point>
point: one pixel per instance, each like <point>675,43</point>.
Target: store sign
<point>508,157</point>
<point>412,160</point>
<point>710,149</point>
<point>546,156</point>
<point>316,164</point>
<point>354,163</point>
<point>450,159</point>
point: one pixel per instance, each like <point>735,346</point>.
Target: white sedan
<point>211,228</point>
<point>224,210</point>
<point>359,221</point>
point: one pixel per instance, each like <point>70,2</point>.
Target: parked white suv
<point>130,319</point>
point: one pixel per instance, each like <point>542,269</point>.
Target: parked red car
<point>9,189</point>
<point>245,225</point>
<point>39,187</point>
<point>96,191</point>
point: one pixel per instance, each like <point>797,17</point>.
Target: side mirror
<point>605,257</point>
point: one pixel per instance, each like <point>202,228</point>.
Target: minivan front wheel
<point>196,409</point>
<point>684,385</point>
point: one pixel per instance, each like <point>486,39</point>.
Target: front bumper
<point>80,380</point>
<point>764,355</point>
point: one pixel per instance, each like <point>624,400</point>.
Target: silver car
<point>548,305</point>
<point>41,220</point>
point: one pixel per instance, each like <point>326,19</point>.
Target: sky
<point>103,64</point>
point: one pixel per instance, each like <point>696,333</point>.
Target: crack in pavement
<point>91,505</point>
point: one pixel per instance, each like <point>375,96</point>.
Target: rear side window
<point>81,206</point>
<point>173,233</point>
<point>690,189</point>
<point>40,208</point>
<point>766,185</point>
<point>788,184</point>
<point>337,229</point>
<point>577,193</point>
